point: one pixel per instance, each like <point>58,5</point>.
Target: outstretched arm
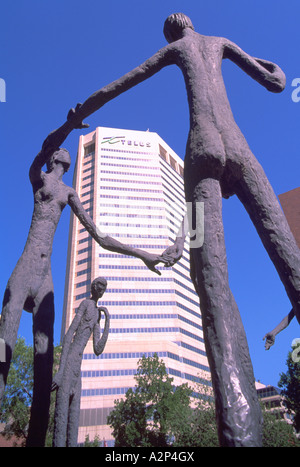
<point>270,336</point>
<point>162,58</point>
<point>268,74</point>
<point>51,144</point>
<point>107,242</point>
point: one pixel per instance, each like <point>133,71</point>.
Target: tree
<point>290,382</point>
<point>197,427</point>
<point>96,443</point>
<point>146,416</point>
<point>15,409</point>
<point>201,430</point>
<point>277,433</point>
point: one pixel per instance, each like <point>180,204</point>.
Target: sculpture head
<point>98,287</point>
<point>61,156</point>
<point>174,26</point>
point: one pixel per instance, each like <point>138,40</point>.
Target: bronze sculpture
<point>30,285</point>
<point>219,163</point>
<point>67,380</point>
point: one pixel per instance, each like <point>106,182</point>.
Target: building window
<point>173,163</point>
<point>162,152</point>
<point>89,149</point>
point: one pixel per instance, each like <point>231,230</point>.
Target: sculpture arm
<point>162,58</point>
<point>99,343</point>
<point>270,336</point>
<point>268,74</point>
<point>50,145</point>
<point>107,242</point>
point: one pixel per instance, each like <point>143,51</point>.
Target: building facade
<point>131,184</point>
<point>271,397</point>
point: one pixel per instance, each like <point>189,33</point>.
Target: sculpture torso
<point>50,198</point>
<point>215,142</point>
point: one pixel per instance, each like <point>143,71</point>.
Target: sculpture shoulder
<point>193,44</point>
<point>37,181</point>
<point>214,42</point>
<point>71,193</point>
<point>85,307</point>
<point>165,56</point>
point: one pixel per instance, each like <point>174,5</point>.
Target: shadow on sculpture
<point>219,163</point>
<point>30,286</point>
<point>67,381</point>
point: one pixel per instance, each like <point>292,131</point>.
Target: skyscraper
<point>131,183</point>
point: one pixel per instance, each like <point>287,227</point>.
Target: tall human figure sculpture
<point>219,163</point>
<point>67,381</point>
<point>30,286</point>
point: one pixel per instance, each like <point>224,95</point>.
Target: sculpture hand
<point>171,255</point>
<point>151,261</point>
<point>270,340</point>
<point>270,66</point>
<point>74,119</point>
<point>56,382</point>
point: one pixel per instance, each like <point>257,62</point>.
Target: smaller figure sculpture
<point>67,380</point>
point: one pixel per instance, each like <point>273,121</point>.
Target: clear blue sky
<point>55,53</point>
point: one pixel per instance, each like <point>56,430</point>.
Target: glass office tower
<point>131,184</point>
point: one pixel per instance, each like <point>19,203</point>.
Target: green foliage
<point>15,409</point>
<point>156,414</point>
<point>96,443</point>
<point>146,417</point>
<point>202,428</point>
<point>290,382</point>
<point>277,433</point>
<point>197,424</point>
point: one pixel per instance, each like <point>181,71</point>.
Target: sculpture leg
<point>237,407</point>
<point>73,420</point>
<point>260,201</point>
<point>13,302</point>
<point>43,322</point>
<point>61,416</point>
